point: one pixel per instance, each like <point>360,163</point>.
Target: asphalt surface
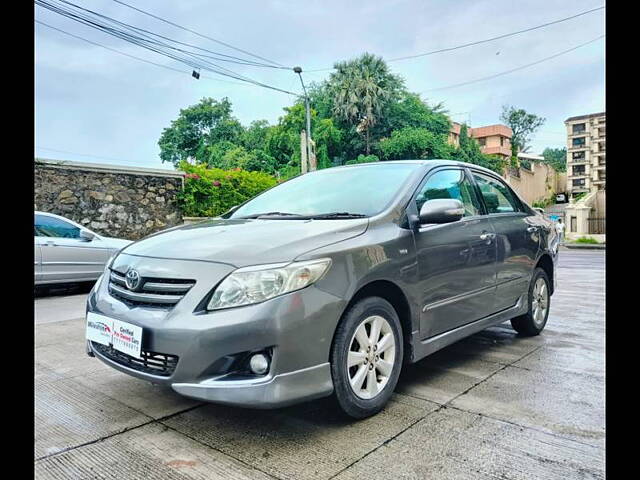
<point>494,405</point>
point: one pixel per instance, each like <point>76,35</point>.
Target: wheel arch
<point>392,293</point>
<point>546,263</point>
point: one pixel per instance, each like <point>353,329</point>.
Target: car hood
<point>245,242</point>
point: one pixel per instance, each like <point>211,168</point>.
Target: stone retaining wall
<point>111,200</point>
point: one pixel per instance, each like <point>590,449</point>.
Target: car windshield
<point>342,192</point>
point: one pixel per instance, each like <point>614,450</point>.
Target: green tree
<point>196,129</point>
<point>556,157</point>
<point>415,143</point>
<point>362,90</point>
<point>411,111</point>
<point>523,125</point>
<point>255,135</point>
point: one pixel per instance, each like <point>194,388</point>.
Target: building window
<point>579,182</point>
<point>574,224</point>
<point>482,141</point>
<point>578,156</point>
<point>502,141</point>
<point>578,142</point>
<point>579,128</point>
<point>579,170</point>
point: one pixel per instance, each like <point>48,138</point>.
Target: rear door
<point>517,238</point>
<point>456,261</point>
<point>65,256</point>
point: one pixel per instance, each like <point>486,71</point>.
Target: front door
<point>456,261</point>
<point>517,238</point>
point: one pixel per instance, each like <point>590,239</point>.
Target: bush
<point>588,240</point>
<point>209,192</point>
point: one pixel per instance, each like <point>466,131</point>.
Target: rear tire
<point>534,321</point>
<point>366,357</point>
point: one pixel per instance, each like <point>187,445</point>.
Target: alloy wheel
<point>539,302</point>
<point>371,357</point>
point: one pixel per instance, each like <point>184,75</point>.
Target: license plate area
<point>122,336</point>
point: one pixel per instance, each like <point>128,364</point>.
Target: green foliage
<point>362,90</point>
<point>522,124</point>
<point>544,202</point>
<point>198,128</point>
<point>362,159</point>
<point>556,157</point>
<point>412,111</point>
<point>579,197</point>
<point>587,240</point>
<point>209,192</point>
<point>415,143</point>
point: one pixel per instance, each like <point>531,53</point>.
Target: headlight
<point>251,285</point>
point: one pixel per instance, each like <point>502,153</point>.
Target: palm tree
<point>361,89</point>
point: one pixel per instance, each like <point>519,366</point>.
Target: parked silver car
<point>66,252</point>
<point>327,283</point>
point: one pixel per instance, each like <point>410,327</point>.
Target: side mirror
<point>86,235</point>
<point>441,210</point>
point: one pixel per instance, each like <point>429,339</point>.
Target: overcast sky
<point>94,105</point>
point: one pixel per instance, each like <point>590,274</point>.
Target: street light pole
<point>298,70</point>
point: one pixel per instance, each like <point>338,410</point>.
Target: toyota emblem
<point>132,279</point>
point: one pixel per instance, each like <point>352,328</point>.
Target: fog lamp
<point>259,363</point>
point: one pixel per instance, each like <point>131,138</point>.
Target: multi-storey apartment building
<point>493,139</point>
<point>586,150</point>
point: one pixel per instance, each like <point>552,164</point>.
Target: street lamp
<point>298,70</point>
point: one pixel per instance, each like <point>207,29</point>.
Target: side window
<point>46,226</point>
<point>497,196</point>
<point>449,184</point>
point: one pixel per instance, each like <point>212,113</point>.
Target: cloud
<point>93,101</point>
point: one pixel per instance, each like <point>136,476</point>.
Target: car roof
<point>431,163</point>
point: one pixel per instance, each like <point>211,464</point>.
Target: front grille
<point>151,292</point>
<point>152,363</point>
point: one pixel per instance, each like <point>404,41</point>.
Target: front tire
<point>534,321</point>
<point>366,357</point>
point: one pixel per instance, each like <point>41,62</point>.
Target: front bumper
<point>297,328</point>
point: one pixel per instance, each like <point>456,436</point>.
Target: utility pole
<point>298,70</point>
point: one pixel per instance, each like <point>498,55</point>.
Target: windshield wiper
<point>328,216</point>
<point>275,214</point>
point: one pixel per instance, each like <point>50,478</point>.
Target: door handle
<point>487,236</point>
<point>532,229</point>
<point>50,243</point>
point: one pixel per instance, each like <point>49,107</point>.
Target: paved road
<point>491,406</point>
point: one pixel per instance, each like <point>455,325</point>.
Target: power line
<point>147,42</point>
<point>478,42</point>
<point>134,57</point>
<point>149,35</point>
<point>197,33</point>
<point>85,16</point>
<point>513,69</point>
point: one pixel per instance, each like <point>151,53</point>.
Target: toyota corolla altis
<point>325,284</point>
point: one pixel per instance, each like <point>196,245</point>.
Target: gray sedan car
<point>66,252</point>
<point>326,284</point>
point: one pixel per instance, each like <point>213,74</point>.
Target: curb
<point>585,246</point>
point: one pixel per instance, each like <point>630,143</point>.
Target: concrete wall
<point>111,200</point>
<point>536,184</point>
